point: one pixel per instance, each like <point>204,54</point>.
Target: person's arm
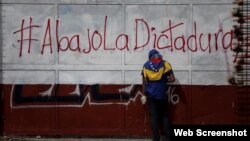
<point>171,78</point>
<point>144,81</point>
<point>170,73</point>
<point>143,85</point>
<point>143,98</point>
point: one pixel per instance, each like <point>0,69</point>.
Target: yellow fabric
<point>151,75</point>
<point>154,76</point>
<point>167,67</point>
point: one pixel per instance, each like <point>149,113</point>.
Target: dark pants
<point>159,118</point>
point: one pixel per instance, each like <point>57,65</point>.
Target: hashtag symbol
<point>29,39</point>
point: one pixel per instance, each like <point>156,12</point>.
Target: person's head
<point>154,54</point>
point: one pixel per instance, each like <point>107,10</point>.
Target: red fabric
<point>156,60</point>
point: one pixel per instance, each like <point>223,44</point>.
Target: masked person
<point>157,73</point>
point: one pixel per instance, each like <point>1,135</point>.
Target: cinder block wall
<point>73,67</point>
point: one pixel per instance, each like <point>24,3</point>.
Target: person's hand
<point>143,99</point>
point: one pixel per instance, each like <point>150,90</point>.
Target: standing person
<point>157,73</point>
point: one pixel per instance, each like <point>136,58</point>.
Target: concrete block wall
<point>109,40</point>
<point>73,67</point>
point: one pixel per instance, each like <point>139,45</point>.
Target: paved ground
<point>70,139</point>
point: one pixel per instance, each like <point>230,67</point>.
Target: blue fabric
<point>157,89</point>
<point>153,53</point>
<point>154,66</point>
